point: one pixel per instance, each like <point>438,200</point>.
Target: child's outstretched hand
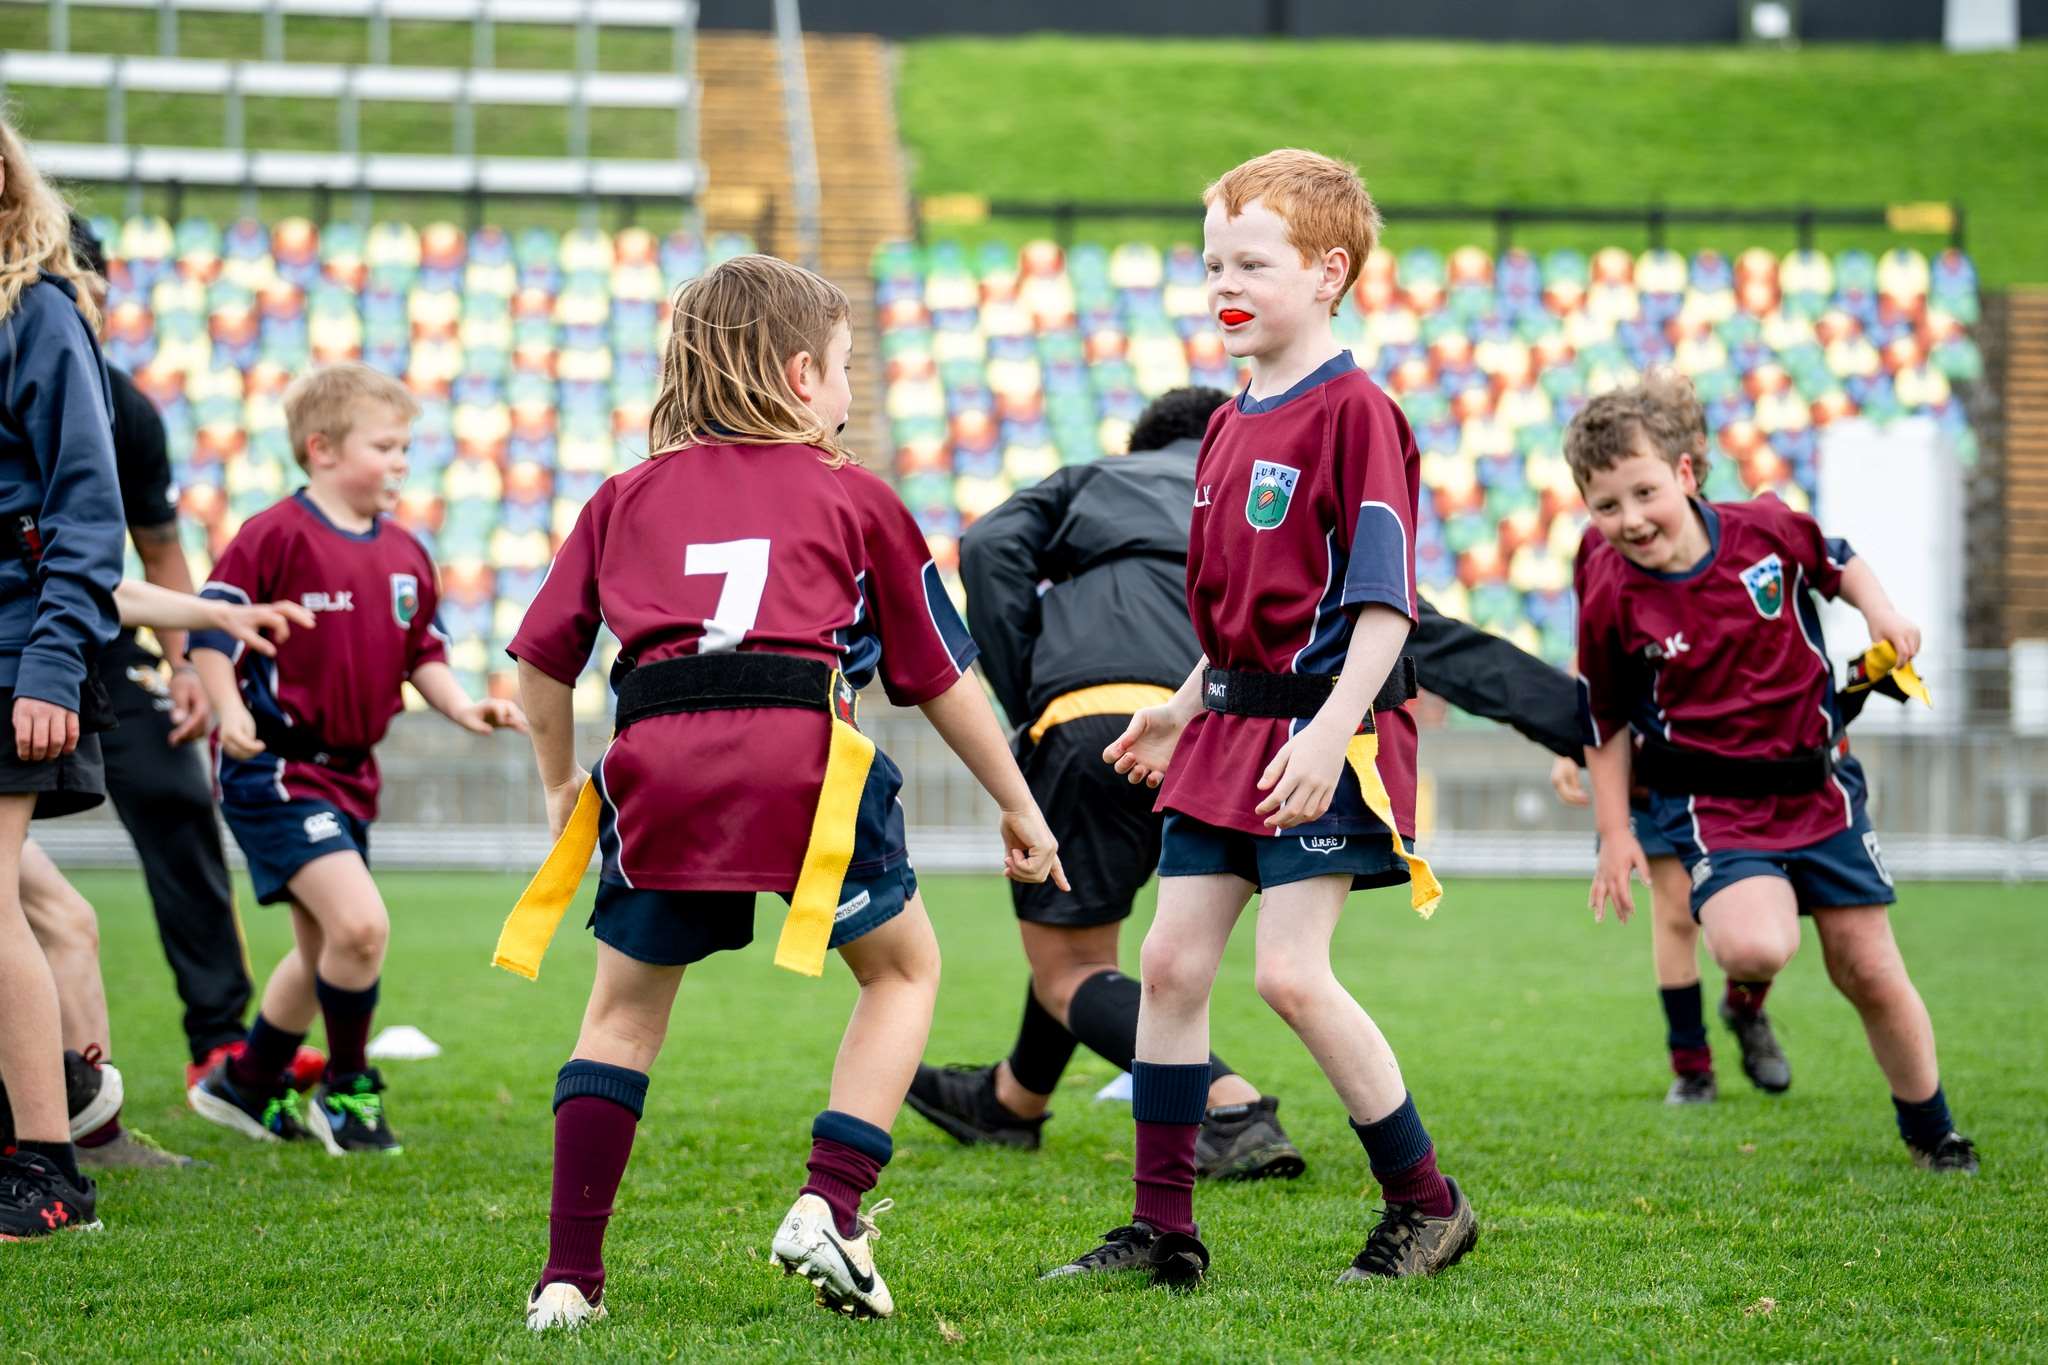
<point>562,801</point>
<point>1564,780</point>
<point>261,626</point>
<point>491,713</point>
<point>1143,750</point>
<point>1030,853</point>
<point>1618,858</point>
<point>1302,778</point>
<point>1890,625</point>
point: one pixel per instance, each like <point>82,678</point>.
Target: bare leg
<point>1178,964</point>
<point>1674,935</point>
<point>627,1018</point>
<point>1752,927</point>
<point>1864,963</point>
<point>31,1036</point>
<point>897,966</point>
<point>289,1001</point>
<point>64,923</point>
<point>1294,977</point>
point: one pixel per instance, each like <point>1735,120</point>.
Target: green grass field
<point>1612,1227</point>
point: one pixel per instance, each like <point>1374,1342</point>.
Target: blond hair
<point>1662,412</point>
<point>35,231</point>
<point>724,377</point>
<point>328,402</point>
<point>1322,201</point>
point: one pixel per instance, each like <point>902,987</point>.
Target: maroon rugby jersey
<point>1304,513</point>
<point>1726,656</point>
<point>373,594</point>
<point>742,547</point>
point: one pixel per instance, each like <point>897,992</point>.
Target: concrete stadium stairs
<point>744,141</point>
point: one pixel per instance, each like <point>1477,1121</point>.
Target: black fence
<point>1930,219</point>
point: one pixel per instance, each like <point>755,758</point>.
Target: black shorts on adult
<point>1108,833</point>
<point>62,786</point>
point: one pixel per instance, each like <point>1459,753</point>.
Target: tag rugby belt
<point>1299,696</point>
<point>718,682</point>
<point>301,745</point>
<point>1682,770</point>
<point>1296,696</point>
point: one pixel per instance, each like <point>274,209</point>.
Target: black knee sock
<point>1044,1047</point>
<point>1684,1033</point>
<point>1104,1016</point>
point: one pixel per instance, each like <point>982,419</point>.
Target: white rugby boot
<point>561,1304</point>
<point>842,1270</point>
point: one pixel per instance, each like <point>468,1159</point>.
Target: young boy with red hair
<point>1287,757</point>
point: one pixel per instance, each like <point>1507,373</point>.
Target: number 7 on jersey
<point>744,566</point>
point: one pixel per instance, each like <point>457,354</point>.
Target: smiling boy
<point>298,781</point>
<point>1287,757</point>
<point>1697,630</point>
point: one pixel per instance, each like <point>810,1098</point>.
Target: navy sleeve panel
<point>1378,568</point>
<point>57,397</point>
<point>141,455</point>
<point>1492,678</point>
<point>1003,558</point>
<point>219,640</point>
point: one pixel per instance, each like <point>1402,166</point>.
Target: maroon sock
<point>1421,1185</point>
<point>840,1175</point>
<point>1746,998</point>
<point>1165,1176</point>
<point>1692,1061</point>
<point>593,1138</point>
<point>348,1014</point>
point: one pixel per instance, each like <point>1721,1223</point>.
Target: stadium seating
<point>1002,365</point>
<point>534,357</point>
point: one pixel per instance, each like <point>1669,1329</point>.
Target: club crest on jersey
<point>405,597</point>
<point>1765,580</point>
<point>1265,506</point>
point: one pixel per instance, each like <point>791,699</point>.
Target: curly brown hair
<point>1662,412</point>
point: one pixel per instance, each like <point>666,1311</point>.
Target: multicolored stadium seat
<point>534,358</point>
<point>1002,365</point>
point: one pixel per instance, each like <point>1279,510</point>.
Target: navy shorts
<point>277,840</point>
<point>676,928</point>
<point>1845,869</point>
<point>1191,848</point>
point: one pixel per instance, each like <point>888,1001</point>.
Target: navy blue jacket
<point>57,471</point>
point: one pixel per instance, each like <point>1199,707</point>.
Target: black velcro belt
<point>1678,770</point>
<point>1295,696</point>
<point>728,682</point>
<point>300,744</point>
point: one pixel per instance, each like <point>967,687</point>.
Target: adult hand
<point>43,730</point>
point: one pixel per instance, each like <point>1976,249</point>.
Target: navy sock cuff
<point>848,1131</point>
<point>1925,1122</point>
<point>1396,1142</point>
<point>1684,1025</point>
<point>1166,1093</point>
<point>622,1086</point>
<point>340,1000</point>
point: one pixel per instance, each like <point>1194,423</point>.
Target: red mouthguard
<point>1230,317</point>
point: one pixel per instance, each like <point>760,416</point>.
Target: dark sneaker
<point>1692,1087</point>
<point>348,1116</point>
<point>92,1091</point>
<point>1763,1061</point>
<point>1410,1242</point>
<point>1177,1260</point>
<point>962,1100</point>
<point>134,1151</point>
<point>309,1065</point>
<point>36,1200</point>
<point>1126,1248</point>
<point>1953,1154</point>
<point>1246,1142</point>
<point>278,1117</point>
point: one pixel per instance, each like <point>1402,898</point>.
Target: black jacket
<point>1112,540</point>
